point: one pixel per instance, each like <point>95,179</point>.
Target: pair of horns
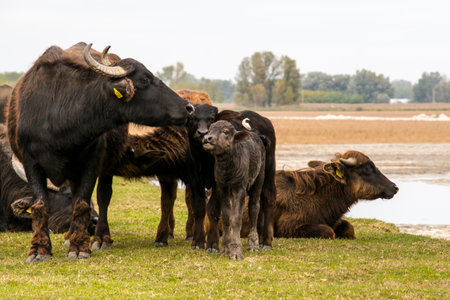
<point>113,72</point>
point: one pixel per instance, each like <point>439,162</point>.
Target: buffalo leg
<point>166,224</point>
<point>343,229</point>
<point>268,196</point>
<point>314,231</point>
<point>199,210</point>
<point>102,238</point>
<point>253,212</point>
<point>190,219</point>
<point>237,207</point>
<point>213,211</point>
<point>41,246</point>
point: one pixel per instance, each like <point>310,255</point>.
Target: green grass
<point>380,263</point>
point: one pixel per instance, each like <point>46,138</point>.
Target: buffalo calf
<point>239,169</point>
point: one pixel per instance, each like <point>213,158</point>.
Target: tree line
<point>264,79</point>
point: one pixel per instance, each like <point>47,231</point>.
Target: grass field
<point>380,263</point>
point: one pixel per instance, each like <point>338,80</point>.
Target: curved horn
<point>104,59</point>
<point>246,124</point>
<point>113,72</point>
<point>20,171</point>
<point>350,162</point>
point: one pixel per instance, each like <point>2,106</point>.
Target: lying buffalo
<point>311,202</point>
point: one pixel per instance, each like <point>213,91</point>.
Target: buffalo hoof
<point>265,247</point>
<point>72,255</point>
<point>83,255</point>
<point>170,237</point>
<point>39,257</point>
<point>160,244</point>
<point>96,246</point>
<point>31,258</point>
<point>196,248</point>
<point>189,238</point>
<point>236,256</point>
<point>106,245</point>
<point>212,250</point>
<point>253,249</point>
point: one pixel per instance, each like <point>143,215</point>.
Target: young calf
<point>238,170</point>
<point>310,202</point>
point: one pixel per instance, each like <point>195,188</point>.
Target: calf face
<point>360,174</point>
<point>199,122</point>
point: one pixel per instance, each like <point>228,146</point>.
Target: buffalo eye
<point>226,131</point>
<point>366,170</point>
<point>145,81</point>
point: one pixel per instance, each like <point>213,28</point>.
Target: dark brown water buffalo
<point>4,93</point>
<point>239,170</point>
<point>57,116</point>
<point>16,198</point>
<point>200,166</point>
<point>311,202</point>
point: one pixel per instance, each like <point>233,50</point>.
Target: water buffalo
<point>310,202</point>
<point>239,170</point>
<point>57,116</point>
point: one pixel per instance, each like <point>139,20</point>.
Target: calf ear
<point>241,136</point>
<point>124,89</point>
<point>336,170</point>
<point>22,207</point>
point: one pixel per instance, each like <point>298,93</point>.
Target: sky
<point>400,39</point>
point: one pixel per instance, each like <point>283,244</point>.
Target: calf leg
<point>102,238</point>
<point>253,212</point>
<point>166,224</point>
<point>343,229</point>
<point>41,246</point>
<point>237,207</point>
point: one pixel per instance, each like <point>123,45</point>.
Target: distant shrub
<point>330,97</point>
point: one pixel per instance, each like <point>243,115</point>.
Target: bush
<point>330,97</point>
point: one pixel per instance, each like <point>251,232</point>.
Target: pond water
<point>415,203</point>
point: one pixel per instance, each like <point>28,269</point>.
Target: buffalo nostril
<point>190,108</point>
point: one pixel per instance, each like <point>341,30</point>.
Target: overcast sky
<point>398,38</point>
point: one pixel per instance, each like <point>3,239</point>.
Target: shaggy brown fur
<point>195,97</point>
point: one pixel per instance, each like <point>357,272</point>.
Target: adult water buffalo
<point>56,117</point>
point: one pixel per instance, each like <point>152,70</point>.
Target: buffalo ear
<point>241,136</point>
<point>336,170</point>
<point>315,163</point>
<point>22,207</point>
<point>124,89</point>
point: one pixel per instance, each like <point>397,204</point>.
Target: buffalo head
<point>359,173</point>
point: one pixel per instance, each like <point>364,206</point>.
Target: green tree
<point>287,89</point>
<point>279,77</point>
<point>402,89</point>
<point>370,85</point>
<point>425,89</point>
<point>9,78</point>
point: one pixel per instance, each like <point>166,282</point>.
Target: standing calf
<point>238,170</point>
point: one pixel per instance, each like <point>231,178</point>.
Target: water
<point>415,203</point>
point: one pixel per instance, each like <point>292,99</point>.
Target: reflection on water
<point>415,203</point>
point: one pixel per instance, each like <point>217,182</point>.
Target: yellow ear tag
<point>339,173</point>
<point>29,210</point>
<point>118,94</point>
